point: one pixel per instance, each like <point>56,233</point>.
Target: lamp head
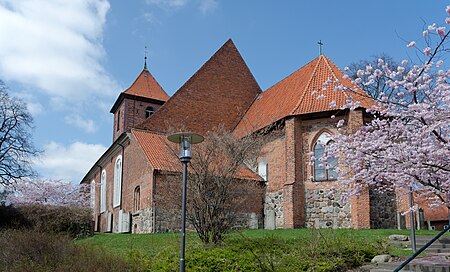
<point>185,139</point>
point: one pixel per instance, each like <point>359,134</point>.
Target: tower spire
<point>145,58</point>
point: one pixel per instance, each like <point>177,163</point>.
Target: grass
<point>151,244</point>
<point>255,250</point>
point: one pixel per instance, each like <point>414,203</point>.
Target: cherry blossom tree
<point>407,142</point>
<point>47,192</point>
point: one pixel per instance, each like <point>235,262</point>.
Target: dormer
<point>137,103</point>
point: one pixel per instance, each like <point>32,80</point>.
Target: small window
<point>149,111</point>
<point>118,121</point>
<point>324,170</point>
<point>263,170</point>
<point>137,199</point>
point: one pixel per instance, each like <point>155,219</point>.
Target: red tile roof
<point>298,94</point>
<point>435,213</point>
<point>218,94</point>
<point>146,86</point>
<point>162,154</point>
<point>159,150</point>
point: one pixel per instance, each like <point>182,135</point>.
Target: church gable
<point>218,94</point>
<point>302,92</point>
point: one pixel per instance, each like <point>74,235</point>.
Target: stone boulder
<point>397,237</point>
<point>381,259</point>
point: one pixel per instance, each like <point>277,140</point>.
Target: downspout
<point>153,201</point>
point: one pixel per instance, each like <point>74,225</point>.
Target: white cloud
<point>87,125</point>
<point>68,162</point>
<point>207,6</point>
<point>150,18</point>
<point>55,46</point>
<point>167,3</point>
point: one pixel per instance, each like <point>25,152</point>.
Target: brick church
<point>128,178</point>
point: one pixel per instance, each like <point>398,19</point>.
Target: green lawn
<point>255,250</point>
<point>151,244</point>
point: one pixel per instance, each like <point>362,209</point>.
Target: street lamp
<point>185,139</point>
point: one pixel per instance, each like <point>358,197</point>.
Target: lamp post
<point>411,220</point>
<point>185,139</point>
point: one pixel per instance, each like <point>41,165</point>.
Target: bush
<point>75,221</point>
<point>27,250</point>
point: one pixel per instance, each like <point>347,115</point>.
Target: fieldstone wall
<point>383,210</point>
<point>323,210</point>
<point>142,221</point>
<point>273,210</point>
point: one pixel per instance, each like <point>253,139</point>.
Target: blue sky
<point>69,60</point>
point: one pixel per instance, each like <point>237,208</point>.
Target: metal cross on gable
<point>320,47</point>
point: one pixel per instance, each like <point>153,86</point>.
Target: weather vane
<point>145,58</point>
<point>320,47</point>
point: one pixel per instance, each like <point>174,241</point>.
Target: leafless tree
<point>220,185</point>
<point>16,147</point>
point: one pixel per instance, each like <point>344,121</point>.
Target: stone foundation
<point>273,210</point>
<point>323,210</point>
<point>142,221</point>
<point>383,210</point>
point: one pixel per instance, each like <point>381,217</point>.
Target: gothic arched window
<point>117,182</point>
<point>103,191</point>
<point>149,111</point>
<point>324,169</point>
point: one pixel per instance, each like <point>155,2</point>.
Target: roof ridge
<point>135,80</point>
<point>332,72</point>
<point>148,131</point>
<point>142,147</point>
<point>306,87</point>
<point>329,66</point>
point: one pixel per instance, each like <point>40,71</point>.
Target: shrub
<point>75,221</point>
<point>28,250</point>
<point>322,251</point>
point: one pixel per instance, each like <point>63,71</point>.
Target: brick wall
<point>138,172</point>
<point>132,113</point>
<point>293,198</point>
<point>249,210</point>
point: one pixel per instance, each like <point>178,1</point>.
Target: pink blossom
<point>406,137</point>
<point>440,31</point>
<point>411,44</point>
<point>447,20</point>
<point>447,9</point>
